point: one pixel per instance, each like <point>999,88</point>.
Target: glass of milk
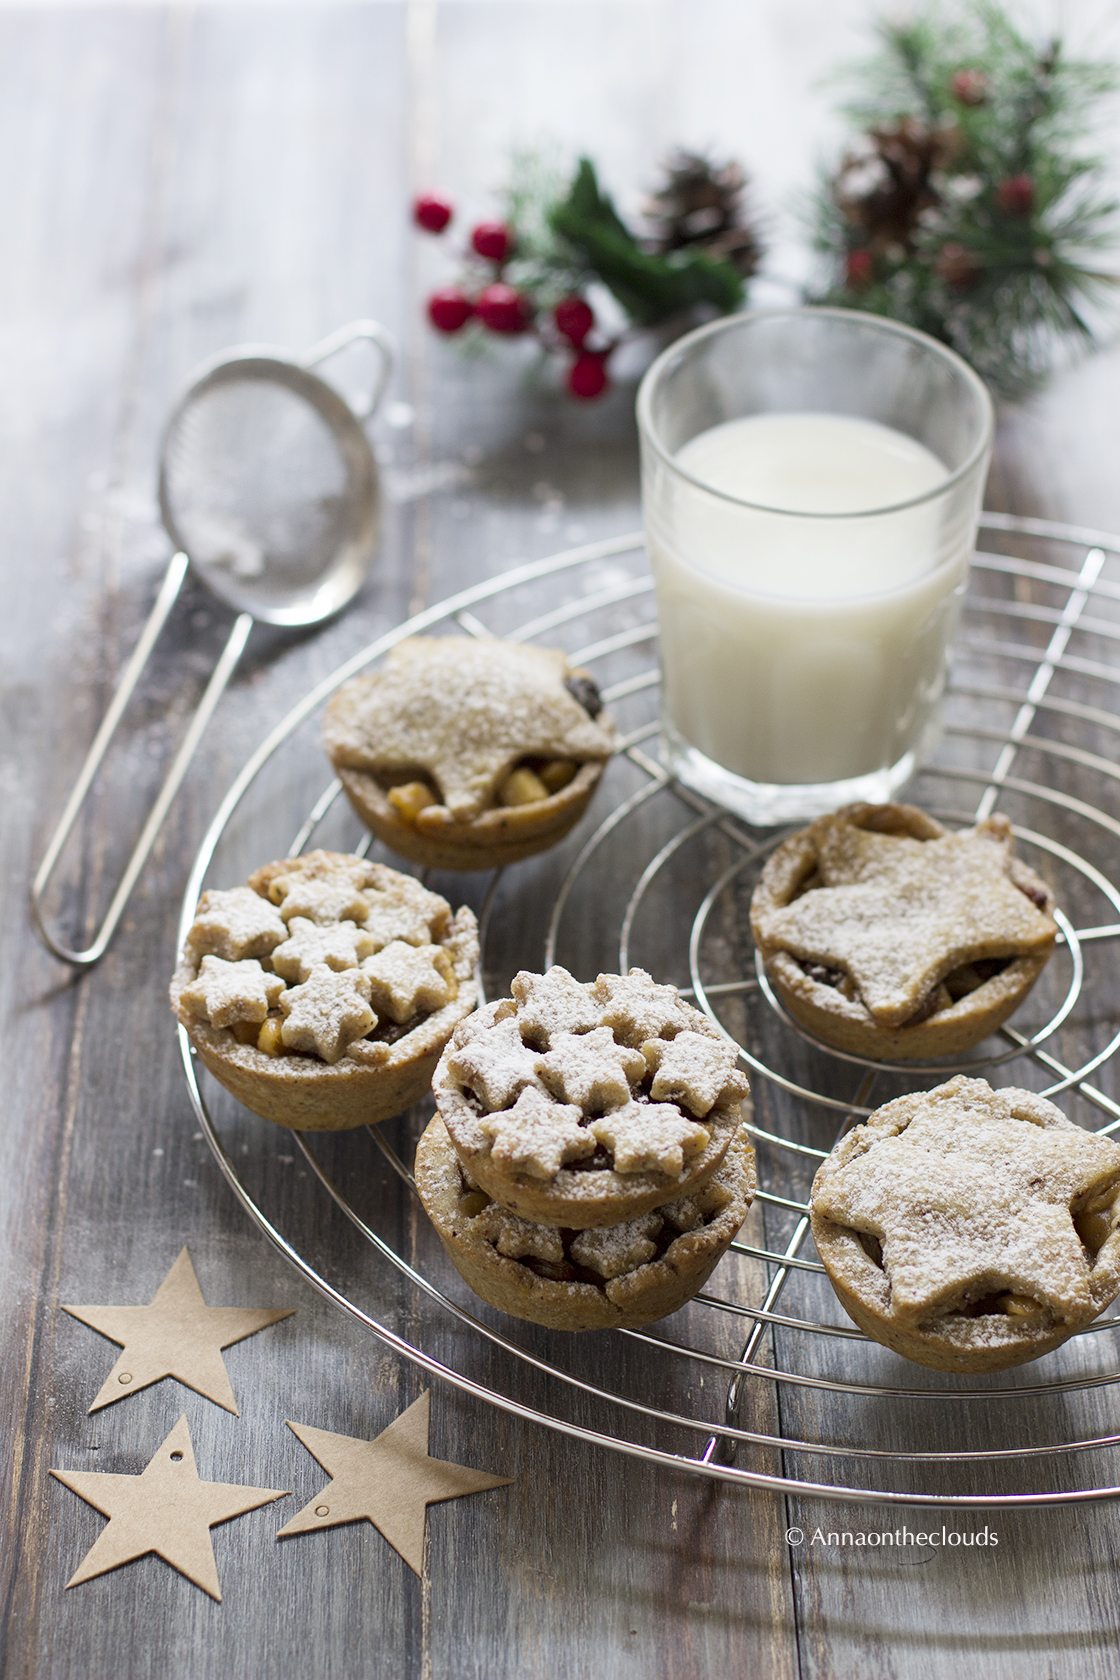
<point>811,480</point>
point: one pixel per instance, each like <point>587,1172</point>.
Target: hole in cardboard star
<point>176,1457</point>
<point>125,1377</point>
<point>322,1510</point>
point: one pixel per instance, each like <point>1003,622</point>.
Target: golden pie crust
<point>970,1229</point>
<point>458,716</point>
<point>618,1278</point>
<point>585,1105</point>
<point>414,951</point>
<point>889,937</point>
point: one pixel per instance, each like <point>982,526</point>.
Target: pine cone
<point>700,206</point>
<point>883,190</point>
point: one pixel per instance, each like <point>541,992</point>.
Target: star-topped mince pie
<point>618,1276</point>
<point>323,993</point>
<point>583,1105</point>
<point>888,936</point>
<point>465,754</point>
<point>970,1229</point>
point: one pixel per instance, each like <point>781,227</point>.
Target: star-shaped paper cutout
<point>340,945</point>
<point>166,1509</point>
<point>898,914</point>
<point>389,1482</point>
<point>553,1002</point>
<point>636,1008</point>
<point>225,992</point>
<point>495,1064</point>
<point>591,1070</point>
<point>970,1199</point>
<point>537,1135</point>
<point>177,1335</point>
<point>465,712</point>
<point>235,924</point>
<point>693,1070</point>
<point>649,1137</point>
<point>327,1013</point>
<point>405,979</point>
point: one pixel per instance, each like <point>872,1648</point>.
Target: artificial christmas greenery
<point>531,272</point>
<point>970,207</point>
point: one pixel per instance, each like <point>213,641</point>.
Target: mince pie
<point>465,754</point>
<point>323,993</point>
<point>888,936</point>
<point>970,1229</point>
<point>620,1276</point>
<point>584,1105</point>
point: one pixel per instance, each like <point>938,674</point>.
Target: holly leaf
<point>650,288</point>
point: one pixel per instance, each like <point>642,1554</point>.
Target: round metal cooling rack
<point>1035,678</point>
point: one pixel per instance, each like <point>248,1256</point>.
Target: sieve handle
<point>354,331</point>
<point>222,673</point>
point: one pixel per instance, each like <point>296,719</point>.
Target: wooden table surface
<point>175,180</point>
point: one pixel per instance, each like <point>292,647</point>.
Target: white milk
<point>805,650</point>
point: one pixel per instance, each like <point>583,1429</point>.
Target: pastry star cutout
<point>537,1135</point>
<point>899,914</point>
<point>553,1002</point>
<point>406,978</point>
<point>166,1510</point>
<point>327,1013</point>
<point>307,945</point>
<point>177,1335</point>
<point>636,1008</point>
<point>496,1065</point>
<point>465,712</point>
<point>389,1482</point>
<point>970,1200</point>
<point>235,924</point>
<point>591,1070</point>
<point>649,1137</point>
<point>693,1070</point>
<point>225,992</point>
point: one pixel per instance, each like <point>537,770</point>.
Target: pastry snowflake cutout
<point>537,1136</point>
<point>496,1065</point>
<point>465,712</point>
<point>591,1070</point>
<point>342,945</point>
<point>235,924</point>
<point>649,1137</point>
<point>327,1012</point>
<point>225,992</point>
<point>693,1070</point>
<point>405,979</point>
<point>972,1193</point>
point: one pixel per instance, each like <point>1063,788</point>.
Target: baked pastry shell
<point>582,1200</point>
<point>649,1292</point>
<point>969,1345</point>
<point>313,1096</point>
<point>505,834</point>
<point>848,1025</point>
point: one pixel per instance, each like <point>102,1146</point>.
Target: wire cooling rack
<point>808,1405</point>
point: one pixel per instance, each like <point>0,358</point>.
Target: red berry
<point>970,87</point>
<point>587,376</point>
<point>574,319</point>
<point>493,241</point>
<point>859,269</point>
<point>1015,195</point>
<point>432,212</point>
<point>503,309</point>
<point>957,266</point>
<point>449,309</point>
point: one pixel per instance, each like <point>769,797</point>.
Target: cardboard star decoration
<point>389,1482</point>
<point>176,1335</point>
<point>166,1510</point>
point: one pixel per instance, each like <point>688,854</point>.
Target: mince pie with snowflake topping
<point>970,1229</point>
<point>465,754</point>
<point>582,1105</point>
<point>619,1276</point>
<point>323,993</point>
<point>888,936</point>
